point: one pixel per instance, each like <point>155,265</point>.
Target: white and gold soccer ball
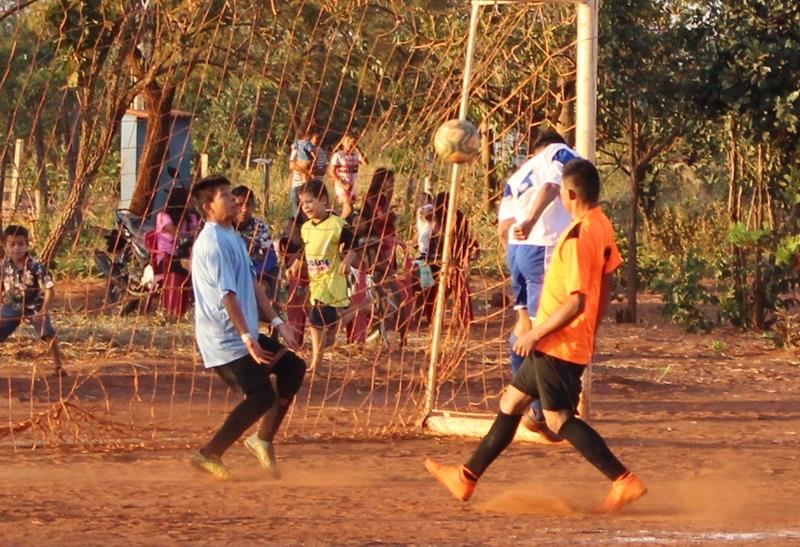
<point>457,141</point>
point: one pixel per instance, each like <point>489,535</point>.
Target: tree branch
<point>14,9</point>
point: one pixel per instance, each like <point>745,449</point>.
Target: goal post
<point>466,424</point>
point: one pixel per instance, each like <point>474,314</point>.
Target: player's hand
<point>259,354</point>
<point>290,335</point>
<point>523,229</point>
<point>526,343</point>
<point>344,268</point>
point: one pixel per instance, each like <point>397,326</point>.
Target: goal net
<point>109,108</point>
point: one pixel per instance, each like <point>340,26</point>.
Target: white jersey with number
<point>520,193</point>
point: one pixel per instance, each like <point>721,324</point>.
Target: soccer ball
<point>457,141</point>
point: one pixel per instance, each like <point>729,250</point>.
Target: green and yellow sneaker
<point>265,452</point>
<point>212,465</point>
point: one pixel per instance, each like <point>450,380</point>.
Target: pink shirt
<point>165,242</point>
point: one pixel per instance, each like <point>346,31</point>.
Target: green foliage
<point>681,282</point>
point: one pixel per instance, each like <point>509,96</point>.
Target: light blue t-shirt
<point>221,265</point>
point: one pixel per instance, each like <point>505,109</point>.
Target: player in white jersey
<point>530,220</point>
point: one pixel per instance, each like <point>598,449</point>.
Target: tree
<point>650,61</point>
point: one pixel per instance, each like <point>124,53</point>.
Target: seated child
<point>325,236</point>
<point>26,292</point>
<point>175,229</point>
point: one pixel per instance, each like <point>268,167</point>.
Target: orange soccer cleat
<point>453,477</point>
<point>624,490</point>
<point>531,424</point>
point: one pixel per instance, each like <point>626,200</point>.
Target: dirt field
<point>711,423</point>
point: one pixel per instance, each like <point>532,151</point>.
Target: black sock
<point>239,420</point>
<point>498,438</point>
<point>592,447</point>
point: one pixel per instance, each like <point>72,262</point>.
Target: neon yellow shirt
<point>323,258</point>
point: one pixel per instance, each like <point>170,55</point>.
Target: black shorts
<point>555,382</point>
<point>245,376</point>
<point>323,316</point>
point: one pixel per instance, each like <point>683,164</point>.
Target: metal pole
<point>452,207</point>
<point>586,123</point>
<point>586,84</point>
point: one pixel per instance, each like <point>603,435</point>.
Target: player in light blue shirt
<point>228,305</point>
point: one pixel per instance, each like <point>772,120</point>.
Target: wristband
<point>247,337</point>
<point>276,321</point>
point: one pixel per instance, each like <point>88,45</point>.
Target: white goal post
<point>585,145</point>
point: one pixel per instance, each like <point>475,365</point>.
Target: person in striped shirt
<point>346,161</point>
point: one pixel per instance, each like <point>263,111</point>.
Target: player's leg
<point>533,264</point>
<point>317,343</point>
<point>560,387</point>
<point>461,480</point>
<point>318,317</point>
<point>44,329</point>
<point>527,263</point>
<point>523,322</point>
<point>289,371</point>
<point>248,377</point>
<point>347,208</point>
<point>10,320</point>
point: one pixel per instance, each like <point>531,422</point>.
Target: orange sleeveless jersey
<point>585,252</point>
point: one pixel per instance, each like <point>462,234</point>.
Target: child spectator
<point>291,251</point>
<point>424,225</point>
<point>323,236</point>
<point>175,230</point>
<point>26,292</point>
<point>376,224</point>
<point>345,163</point>
<point>307,160</point>
<point>464,248</point>
<point>257,236</point>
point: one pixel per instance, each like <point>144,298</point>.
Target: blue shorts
<point>527,264</point>
<point>11,318</point>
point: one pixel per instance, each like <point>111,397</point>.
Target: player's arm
<point>49,294</point>
<point>269,314</point>
<point>296,268</point>
<point>571,308</point>
<point>606,292</point>
<point>231,304</point>
<point>47,286</point>
<point>544,197</point>
<point>502,231</point>
<point>222,279</point>
<point>348,240</point>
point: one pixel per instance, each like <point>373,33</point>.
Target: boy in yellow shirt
<point>325,237</point>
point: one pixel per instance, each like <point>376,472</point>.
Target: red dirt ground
<point>711,423</point>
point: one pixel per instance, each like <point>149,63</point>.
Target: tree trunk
<point>41,194</point>
<point>565,122</point>
<point>734,216</point>
<point>158,103</point>
<point>630,314</point>
<point>487,161</point>
<point>73,127</point>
